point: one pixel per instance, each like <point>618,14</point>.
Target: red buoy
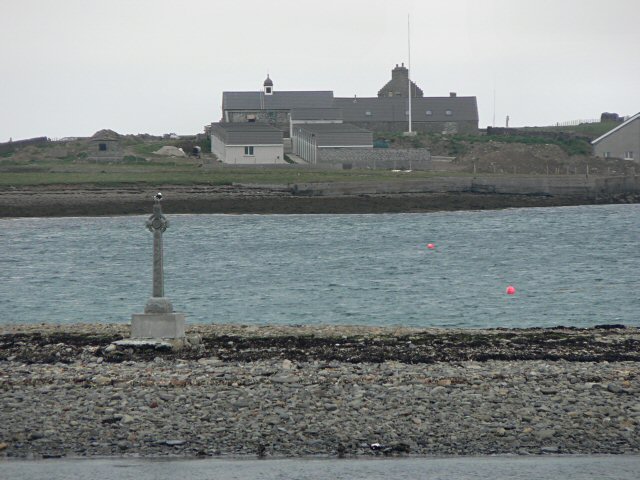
<point>430,246</point>
<point>511,290</point>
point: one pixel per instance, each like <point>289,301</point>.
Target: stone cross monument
<point>158,320</point>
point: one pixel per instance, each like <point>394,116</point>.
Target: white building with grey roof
<point>247,143</point>
<point>622,141</point>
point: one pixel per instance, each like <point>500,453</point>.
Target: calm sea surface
<point>463,468</point>
<point>572,266</point>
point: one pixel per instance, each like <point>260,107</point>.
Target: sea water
<point>458,468</point>
<point>572,266</point>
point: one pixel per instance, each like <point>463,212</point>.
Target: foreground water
<point>465,468</point>
<point>572,266</point>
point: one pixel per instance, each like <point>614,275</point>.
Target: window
<point>248,151</point>
<point>607,154</point>
<point>429,112</point>
<point>102,147</point>
<point>628,155</point>
<point>367,113</point>
<point>448,112</point>
<point>268,91</point>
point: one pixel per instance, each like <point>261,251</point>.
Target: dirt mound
<point>533,159</point>
<point>170,151</point>
<point>106,134</point>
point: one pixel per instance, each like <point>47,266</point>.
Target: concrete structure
<point>158,320</point>
<point>579,185</point>
<point>376,158</point>
<point>621,142</point>
<point>388,112</point>
<point>247,143</point>
<point>105,147</point>
<point>309,139</point>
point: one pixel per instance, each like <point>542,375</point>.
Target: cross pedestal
<point>158,320</point>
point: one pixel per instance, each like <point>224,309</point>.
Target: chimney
<point>400,72</point>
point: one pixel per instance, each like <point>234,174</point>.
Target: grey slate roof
<point>276,101</point>
<point>316,114</point>
<point>337,134</point>
<point>247,133</point>
<point>395,109</point>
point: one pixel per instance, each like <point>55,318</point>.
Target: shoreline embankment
<point>398,196</point>
<point>287,391</point>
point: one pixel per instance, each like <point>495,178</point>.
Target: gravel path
<point>338,391</point>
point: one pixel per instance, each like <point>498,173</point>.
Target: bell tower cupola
<point>268,86</point>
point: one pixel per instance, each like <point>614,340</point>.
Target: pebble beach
<point>264,392</point>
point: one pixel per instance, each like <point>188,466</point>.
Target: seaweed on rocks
<point>418,347</point>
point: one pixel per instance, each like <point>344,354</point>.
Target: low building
<point>308,140</point>
<point>247,143</point>
<point>104,146</point>
<point>622,141</point>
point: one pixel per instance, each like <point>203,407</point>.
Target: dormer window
<point>448,112</point>
<point>268,90</point>
<point>367,113</point>
<point>429,113</point>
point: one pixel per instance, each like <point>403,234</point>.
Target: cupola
<point>268,86</point>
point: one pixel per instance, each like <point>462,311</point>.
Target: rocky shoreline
<point>83,200</point>
<point>339,391</point>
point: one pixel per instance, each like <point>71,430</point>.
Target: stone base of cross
<point>158,320</point>
<point>157,325</point>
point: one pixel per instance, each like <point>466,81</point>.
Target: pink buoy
<point>511,290</point>
<point>430,246</point>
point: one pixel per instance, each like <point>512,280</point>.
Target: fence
<point>573,123</point>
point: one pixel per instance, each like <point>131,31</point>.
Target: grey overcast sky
<point>72,67</point>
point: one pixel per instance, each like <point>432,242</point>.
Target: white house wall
<point>218,148</point>
<point>262,154</point>
<point>620,142</point>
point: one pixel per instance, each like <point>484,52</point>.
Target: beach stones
<point>220,404</point>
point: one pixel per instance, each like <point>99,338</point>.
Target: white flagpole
<point>409,64</point>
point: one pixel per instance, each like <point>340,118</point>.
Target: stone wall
<point>525,185</point>
<point>382,158</point>
<point>526,132</point>
<point>276,118</point>
<point>110,152</point>
<point>9,147</point>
